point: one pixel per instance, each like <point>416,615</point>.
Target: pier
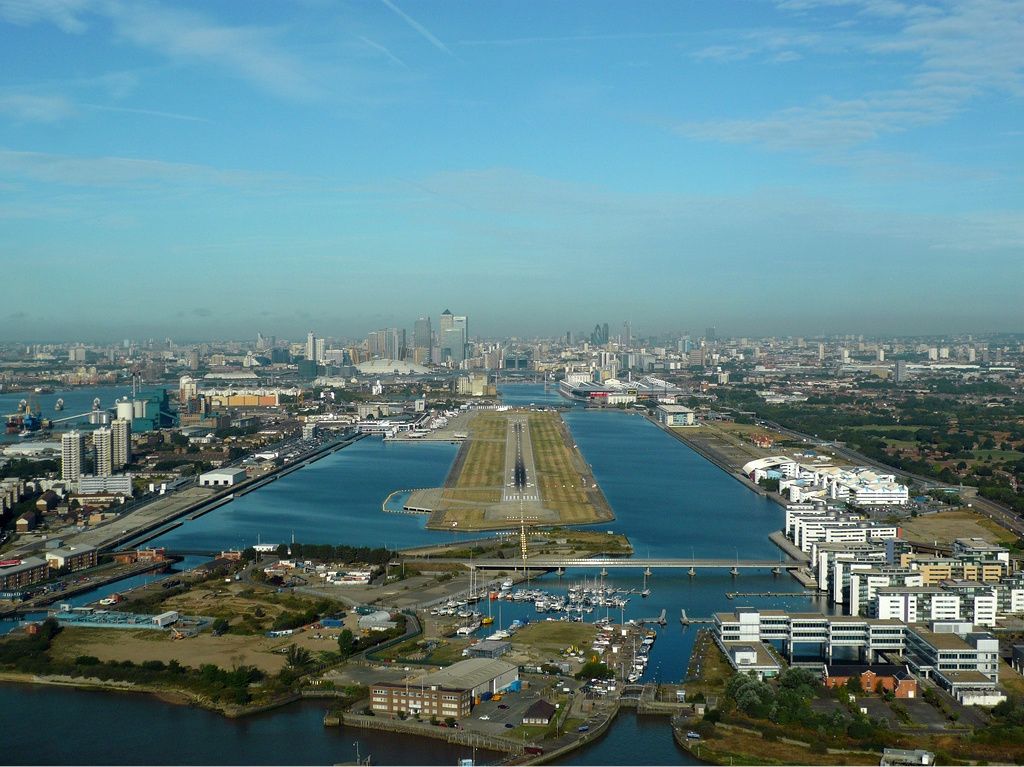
<point>661,620</point>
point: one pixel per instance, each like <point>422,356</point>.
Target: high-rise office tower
<point>102,445</point>
<point>311,346</point>
<point>627,334</point>
<point>422,338</point>
<point>72,448</point>
<point>319,349</point>
<point>710,335</point>
<point>121,442</point>
<point>447,321</point>
<point>394,343</point>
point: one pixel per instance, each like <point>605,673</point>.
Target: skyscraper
<point>422,339</point>
<point>102,445</point>
<point>454,336</point>
<point>121,443</point>
<point>447,321</point>
<point>710,335</point>
<point>627,334</point>
<point>311,346</point>
<point>72,447</point>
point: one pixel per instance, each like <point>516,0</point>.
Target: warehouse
<point>450,692</point>
<point>221,477</point>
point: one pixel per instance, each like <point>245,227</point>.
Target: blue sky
<point>796,166</point>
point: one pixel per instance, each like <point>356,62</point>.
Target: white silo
<point>125,409</point>
<point>140,408</point>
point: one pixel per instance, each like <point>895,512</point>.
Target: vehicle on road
<point>485,718</point>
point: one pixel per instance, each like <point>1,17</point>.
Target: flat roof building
<point>222,477</point>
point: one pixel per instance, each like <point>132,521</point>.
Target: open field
<point>946,526</point>
<point>138,646</point>
<point>554,636</point>
<point>476,493</point>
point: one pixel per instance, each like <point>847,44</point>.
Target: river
<point>667,499</point>
<point>77,405</point>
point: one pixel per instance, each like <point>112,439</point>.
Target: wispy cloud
<point>248,52</point>
<point>778,44</point>
<point>36,108</point>
<point>180,35</point>
<point>124,172</point>
<point>423,32</point>
<point>146,113</point>
<point>962,52</point>
<point>64,14</point>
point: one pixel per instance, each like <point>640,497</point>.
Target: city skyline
<point>689,165</point>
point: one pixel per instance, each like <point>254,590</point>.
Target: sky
<point>214,169</point>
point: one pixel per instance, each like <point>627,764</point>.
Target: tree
<point>346,643</point>
<point>297,657</point>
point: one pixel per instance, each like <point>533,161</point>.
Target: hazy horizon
<point>790,167</point>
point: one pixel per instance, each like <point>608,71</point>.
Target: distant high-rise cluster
<point>599,336</point>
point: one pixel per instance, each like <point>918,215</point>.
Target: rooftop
<point>467,674</point>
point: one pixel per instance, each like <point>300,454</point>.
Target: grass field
<point>949,525</point>
<point>559,477</point>
<point>485,463</point>
<point>554,636</point>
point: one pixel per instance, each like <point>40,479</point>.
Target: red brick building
<point>892,677</point>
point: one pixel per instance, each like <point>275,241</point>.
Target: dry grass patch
<point>946,526</point>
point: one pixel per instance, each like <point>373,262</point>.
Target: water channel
<point>669,501</point>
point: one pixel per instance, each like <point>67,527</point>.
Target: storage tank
<point>125,409</point>
<point>140,408</point>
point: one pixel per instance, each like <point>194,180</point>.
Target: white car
<point>485,718</point>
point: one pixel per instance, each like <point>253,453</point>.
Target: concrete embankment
<point>451,735</point>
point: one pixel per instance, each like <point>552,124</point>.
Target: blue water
<point>666,498</point>
<point>106,728</point>
<point>334,500</point>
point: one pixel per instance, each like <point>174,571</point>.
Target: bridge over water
<point>565,563</point>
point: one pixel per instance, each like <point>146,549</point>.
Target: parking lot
<point>509,710</point>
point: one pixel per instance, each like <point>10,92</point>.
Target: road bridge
<point>565,563</point>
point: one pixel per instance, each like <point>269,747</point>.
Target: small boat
<point>59,404</point>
